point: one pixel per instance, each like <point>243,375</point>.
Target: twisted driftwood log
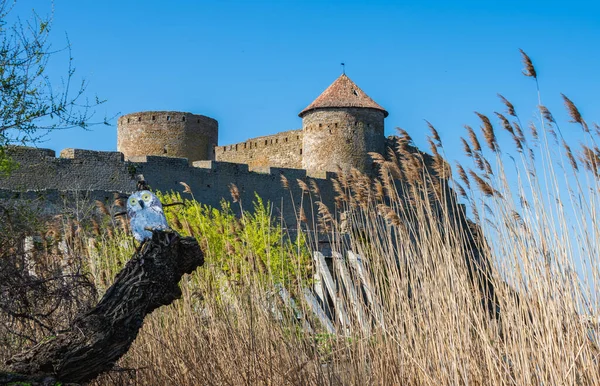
<point>97,339</point>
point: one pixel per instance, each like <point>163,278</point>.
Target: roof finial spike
<point>343,68</point>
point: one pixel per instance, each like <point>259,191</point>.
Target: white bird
<point>145,214</point>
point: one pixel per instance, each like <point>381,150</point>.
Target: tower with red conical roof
<point>341,127</point>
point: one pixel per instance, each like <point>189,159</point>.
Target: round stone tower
<point>167,133</point>
<point>340,128</point>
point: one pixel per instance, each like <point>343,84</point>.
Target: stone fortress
<point>339,129</point>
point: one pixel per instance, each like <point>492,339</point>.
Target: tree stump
<point>98,338</point>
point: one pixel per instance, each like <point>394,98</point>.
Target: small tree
<point>30,106</point>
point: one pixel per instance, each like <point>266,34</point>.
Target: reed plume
<point>510,109</point>
<point>488,132</point>
<point>473,137</point>
<point>529,69</point>
<point>574,113</point>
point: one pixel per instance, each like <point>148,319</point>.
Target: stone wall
<point>341,136</point>
<point>98,174</point>
<point>280,150</point>
<point>167,133</point>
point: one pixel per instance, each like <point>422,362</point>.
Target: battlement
<point>25,152</point>
<point>165,117</point>
<point>31,159</point>
<point>221,167</point>
<point>280,150</point>
<point>283,137</point>
<point>81,154</point>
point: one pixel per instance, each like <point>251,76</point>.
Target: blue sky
<point>254,65</point>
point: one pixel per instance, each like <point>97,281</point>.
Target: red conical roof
<point>343,92</point>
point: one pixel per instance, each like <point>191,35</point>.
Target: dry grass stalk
<point>466,147</point>
<point>505,123</point>
<point>124,223</point>
<point>434,133</point>
<point>377,158</point>
<point>302,215</point>
<point>574,113</point>
<point>483,186</point>
<point>404,136</point>
<point>473,137</point>
<point>303,186</point>
<point>235,192</point>
<point>284,182</point>
<point>519,131</point>
<point>533,129</point>
<point>432,146</point>
<point>186,187</point>
<point>570,156</point>
<point>478,159</point>
<point>95,227</point>
<point>590,159</point>
<point>529,69</point>
<point>102,208</point>
<point>461,191</point>
<point>176,223</point>
<point>314,187</point>
<point>546,114</point>
<point>488,132</point>
<point>378,188</point>
<point>487,167</point>
<point>441,167</point>
<point>510,109</point>
<point>324,217</point>
<point>463,175</point>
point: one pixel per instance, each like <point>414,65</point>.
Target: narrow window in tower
<point>245,145</point>
<point>198,121</point>
<point>266,142</point>
<point>168,117</point>
<point>153,117</point>
<point>300,151</point>
<point>183,119</point>
<point>139,119</point>
<point>128,119</point>
<point>286,139</point>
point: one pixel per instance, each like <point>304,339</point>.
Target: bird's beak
<point>142,203</point>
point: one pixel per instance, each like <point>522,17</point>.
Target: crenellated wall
<point>280,150</point>
<point>98,174</point>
